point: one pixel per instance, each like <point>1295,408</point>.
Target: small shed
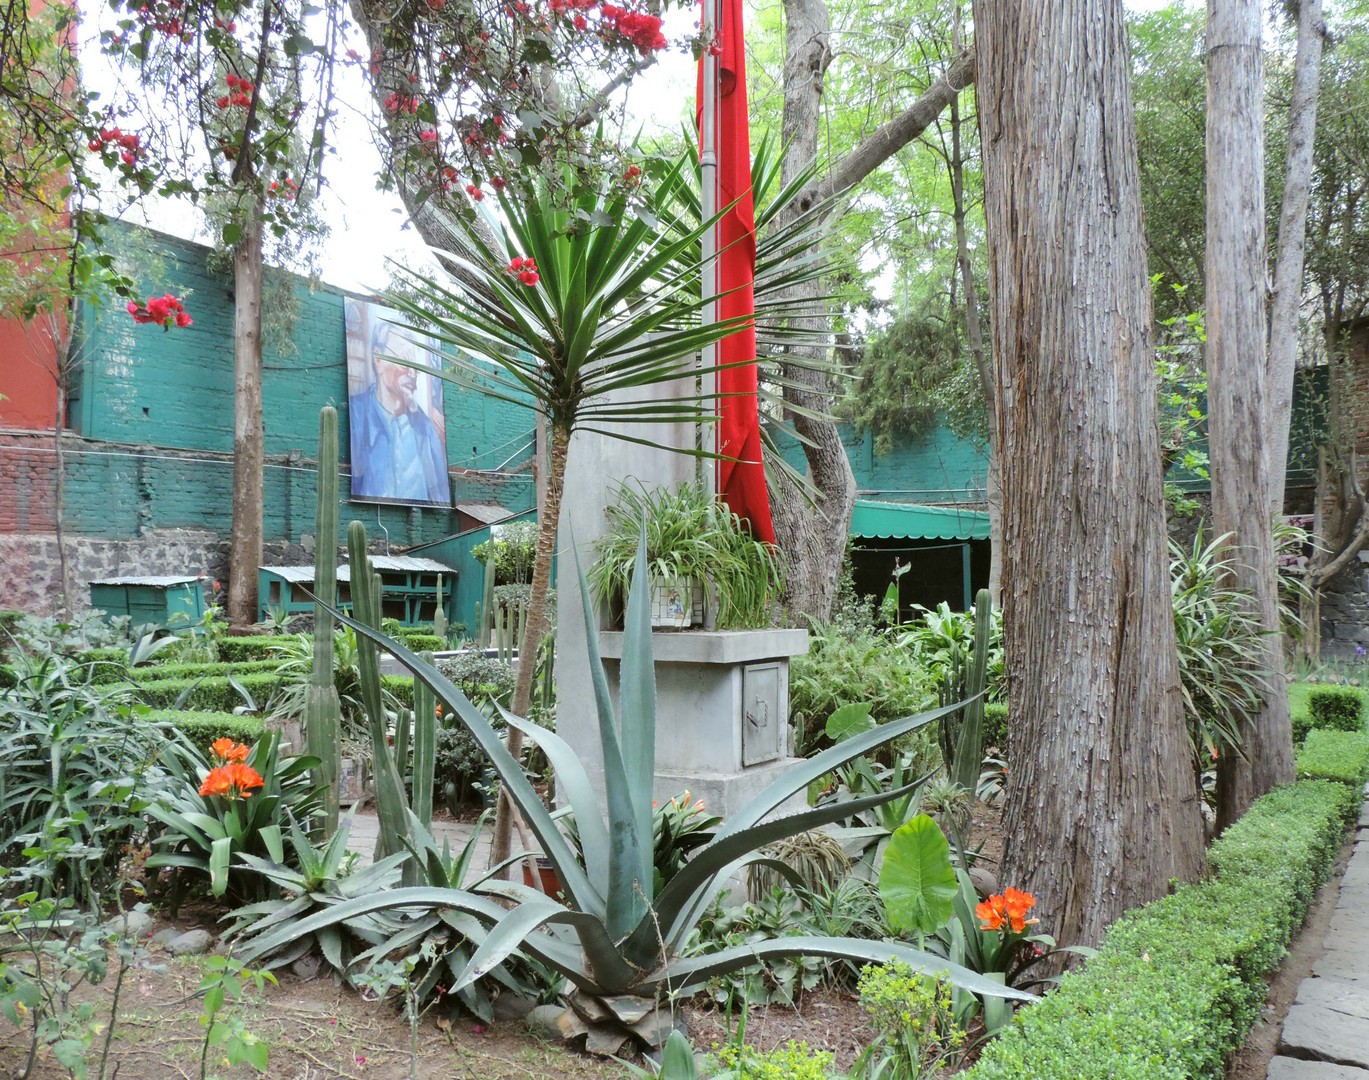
<point>170,600</point>
<point>408,588</point>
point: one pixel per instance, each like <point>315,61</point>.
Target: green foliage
<point>816,861</point>
<point>691,536</point>
<point>223,982</point>
<point>261,647</point>
<point>513,547</point>
<point>1334,755</point>
<point>1220,644</point>
<point>203,729</point>
<point>80,763</point>
<point>917,882</point>
<point>155,673</point>
<point>996,724</point>
<point>842,667</point>
<point>205,834</point>
<point>792,1061</point>
<point>484,680</point>
<point>1178,983</point>
<point>910,1013</point>
<point>421,642</point>
<point>213,693</point>
<point>1337,708</point>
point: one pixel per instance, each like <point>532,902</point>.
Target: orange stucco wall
<point>27,367</point>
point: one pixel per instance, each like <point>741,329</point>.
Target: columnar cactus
<point>323,712</point>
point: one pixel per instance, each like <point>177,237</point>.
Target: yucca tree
<point>611,313</point>
<point>625,938</point>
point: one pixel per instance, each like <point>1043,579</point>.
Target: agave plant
<point>625,958</point>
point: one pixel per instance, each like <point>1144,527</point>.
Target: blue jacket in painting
<point>396,457</point>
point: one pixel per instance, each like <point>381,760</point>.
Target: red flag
<point>741,482</point>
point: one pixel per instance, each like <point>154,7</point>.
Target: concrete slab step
<point>1319,1033</point>
<point>1286,1068</point>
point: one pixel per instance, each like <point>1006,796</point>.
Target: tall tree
<point>1239,409</point>
<point>1102,806</point>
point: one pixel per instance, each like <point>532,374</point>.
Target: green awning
<point>909,521</point>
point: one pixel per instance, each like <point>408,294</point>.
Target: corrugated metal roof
<point>489,513</point>
<point>883,519</point>
<point>302,575</point>
<point>160,582</point>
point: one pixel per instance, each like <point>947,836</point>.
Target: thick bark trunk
<point>974,335</point>
<point>1238,406</point>
<point>1288,269</point>
<point>535,626</point>
<point>1102,809</point>
<point>244,554</point>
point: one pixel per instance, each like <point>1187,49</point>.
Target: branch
<point>596,104</point>
<point>892,137</point>
<point>1319,576</point>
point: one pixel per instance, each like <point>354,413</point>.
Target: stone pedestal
<point>722,710</point>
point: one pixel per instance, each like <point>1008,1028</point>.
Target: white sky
<point>368,227</point>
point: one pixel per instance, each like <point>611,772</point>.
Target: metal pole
<point>708,160</point>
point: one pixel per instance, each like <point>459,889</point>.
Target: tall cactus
<point>482,640</point>
<point>323,711</point>
<point>440,613</point>
<point>424,748</point>
<point>391,807</point>
<point>969,751</point>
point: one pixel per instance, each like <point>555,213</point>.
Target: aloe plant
<point>969,749</point>
<point>323,709</point>
<point>627,935</point>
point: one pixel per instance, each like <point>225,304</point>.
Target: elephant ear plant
<point>616,939</point>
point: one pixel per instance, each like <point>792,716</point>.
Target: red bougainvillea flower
<point>474,192</point>
<point>233,781</point>
<point>227,750</point>
<point>633,175</point>
<point>167,311</point>
<point>497,182</point>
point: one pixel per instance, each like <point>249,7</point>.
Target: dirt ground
<point>316,1030</point>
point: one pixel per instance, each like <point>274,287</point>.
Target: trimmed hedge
<point>1336,708</point>
<point>150,673</point>
<point>212,694</point>
<point>424,642</point>
<point>237,649</point>
<point>402,686</point>
<point>1178,982</point>
<point>1335,755</point>
<point>203,728</point>
<point>996,724</point>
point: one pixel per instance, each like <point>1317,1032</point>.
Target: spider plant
<point>625,958</point>
<point>689,536</point>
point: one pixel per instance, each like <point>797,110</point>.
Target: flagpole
<point>708,160</point>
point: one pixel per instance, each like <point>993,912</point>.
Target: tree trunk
<point>535,626</point>
<point>1288,269</point>
<point>1238,405</point>
<point>974,335</point>
<point>244,555</point>
<point>1102,809</point>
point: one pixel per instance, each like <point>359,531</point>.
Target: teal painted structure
<point>165,400</point>
<point>408,591</point>
<point>455,551</point>
<point>159,601</point>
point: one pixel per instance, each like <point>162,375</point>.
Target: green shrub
<point>151,673</point>
<point>9,620</point>
<point>1178,982</point>
<point>212,694</point>
<point>1334,755</point>
<point>792,1061</point>
<point>103,665</point>
<point>261,647</point>
<point>203,728</point>
<point>401,686</point>
<point>421,642</point>
<point>1336,708</point>
<point>996,724</point>
<point>841,668</point>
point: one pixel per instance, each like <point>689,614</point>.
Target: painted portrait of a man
<point>398,434</point>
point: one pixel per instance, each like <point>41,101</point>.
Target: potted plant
<point>705,568</point>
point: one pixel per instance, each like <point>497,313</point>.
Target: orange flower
<point>232,781</point>
<point>226,749</point>
<point>991,913</point>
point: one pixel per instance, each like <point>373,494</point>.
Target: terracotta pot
<point>548,881</point>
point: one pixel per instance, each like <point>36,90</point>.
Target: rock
<point>1284,1068</point>
<point>131,923</point>
<point>509,1006</point>
<point>542,1022</point>
<point>191,943</point>
<point>1319,1033</point>
<point>306,967</point>
<point>161,937</point>
<point>984,882</point>
<point>1209,820</point>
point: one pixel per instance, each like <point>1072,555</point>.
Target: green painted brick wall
<point>163,392</point>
